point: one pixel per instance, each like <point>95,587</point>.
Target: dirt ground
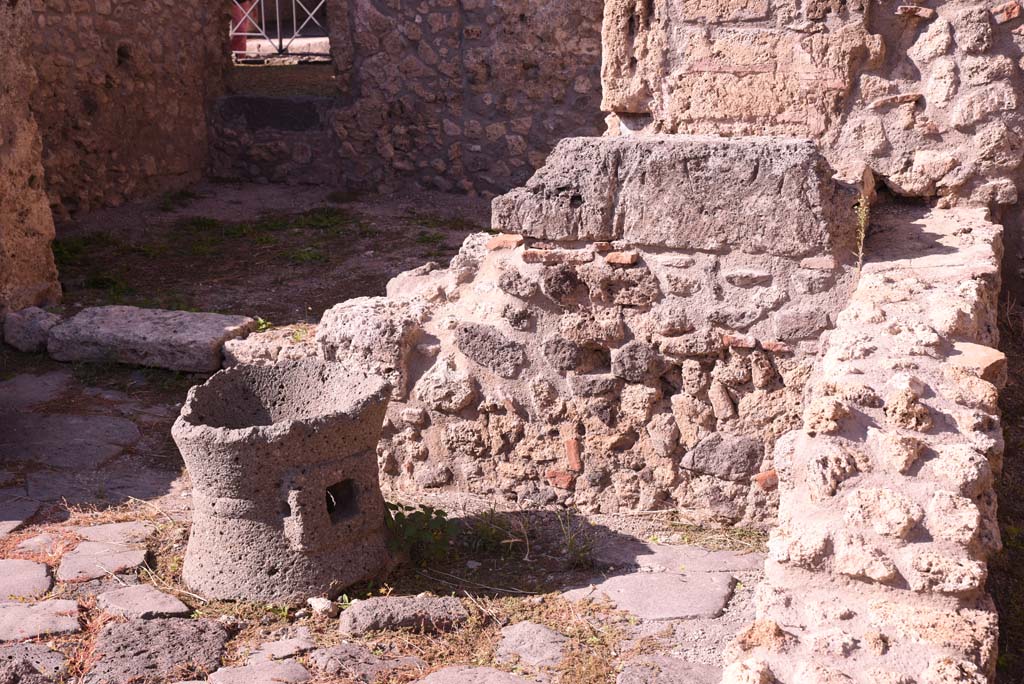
<point>282,253</point>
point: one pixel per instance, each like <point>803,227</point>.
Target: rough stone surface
<point>472,675</point>
<point>663,596</point>
<point>427,613</point>
<point>728,183</point>
<point>27,330</point>
<point>288,529</point>
<point>19,621</point>
<point>28,276</point>
<point>23,579</point>
<point>155,649</point>
<point>43,659</point>
<point>531,644</point>
<point>358,662</point>
<point>123,78</point>
<point>664,374</point>
<point>667,670</point>
<point>894,545</point>
<point>287,672</point>
<point>65,440</point>
<point>176,340</point>
<point>141,601</point>
<point>467,97</point>
<point>93,560</point>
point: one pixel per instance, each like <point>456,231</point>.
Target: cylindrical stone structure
<point>286,495</point>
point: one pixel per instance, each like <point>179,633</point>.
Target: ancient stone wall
<point>924,94</point>
<point>637,338</point>
<point>27,272</point>
<point>122,95</point>
<point>464,96</point>
<point>887,510</point>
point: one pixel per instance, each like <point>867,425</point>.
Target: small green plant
<point>423,533</point>
<point>579,547</point>
<point>495,533</point>
<point>863,225</point>
<point>308,255</point>
<point>263,325</point>
<point>298,335</point>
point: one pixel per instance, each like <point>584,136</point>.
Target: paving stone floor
<point>90,487</point>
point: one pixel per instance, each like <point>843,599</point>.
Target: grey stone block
<point>428,613</point>
<point>141,601</point>
<point>151,650</point>
<point>19,621</point>
<point>23,579</point>
<point>755,194</point>
<point>287,500</point>
<point>27,330</point>
<point>176,340</point>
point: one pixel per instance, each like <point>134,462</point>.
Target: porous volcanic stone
<point>20,621</point>
<point>727,457</point>
<point>531,644</point>
<point>427,613</point>
<point>490,348</point>
<point>92,560</point>
<point>358,662</point>
<point>472,675</point>
<point>153,649</point>
<point>663,595</point>
<point>21,579</point>
<point>141,601</point>
<point>276,671</point>
<point>176,340</point>
<point>27,330</point>
<point>751,194</point>
<point>286,495</point>
<point>43,659</point>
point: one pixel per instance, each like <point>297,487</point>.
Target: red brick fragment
<point>504,241</point>
<point>572,455</point>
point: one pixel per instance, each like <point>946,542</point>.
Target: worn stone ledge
<point>755,195</point>
<point>887,511</point>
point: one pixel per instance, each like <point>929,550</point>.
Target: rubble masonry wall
<point>122,95</point>
<point>463,96</point>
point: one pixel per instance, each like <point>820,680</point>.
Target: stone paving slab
<point>26,390</point>
<point>65,441</point>
<point>472,675</point>
<point>20,621</point>
<point>357,662</point>
<point>148,650</point>
<point>663,596</point>
<point>92,560</point>
<point>23,579</point>
<point>45,660</point>
<point>114,483</point>
<point>175,340</point>
<point>132,532</point>
<point>142,601</point>
<point>277,671</point>
<point>15,509</point>
<point>673,558</point>
<point>531,644</point>
<point>668,670</point>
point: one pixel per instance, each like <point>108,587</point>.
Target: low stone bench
<point>287,501</point>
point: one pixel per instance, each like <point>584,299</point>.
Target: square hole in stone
<point>342,500</point>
